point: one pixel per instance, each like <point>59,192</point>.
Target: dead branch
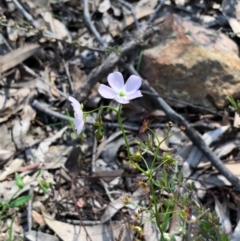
<point>36,105</point>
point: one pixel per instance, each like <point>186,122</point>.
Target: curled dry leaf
<point>12,168</point>
<point>195,155</point>
<point>98,232</point>
<point>112,208</point>
<point>38,218</point>
<point>39,154</point>
<point>221,210</point>
<point>21,127</point>
<point>31,236</point>
<point>13,102</point>
<point>56,26</point>
<point>12,31</point>
<point>5,155</point>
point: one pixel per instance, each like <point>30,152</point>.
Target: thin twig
<point>54,37</point>
<point>193,136</point>
<point>31,20</point>
<point>131,8</point>
<point>69,76</point>
<point>36,105</point>
<point>90,23</point>
<point>31,188</point>
<point>73,187</point>
<point>154,15</point>
<point>26,14</point>
<point>93,161</point>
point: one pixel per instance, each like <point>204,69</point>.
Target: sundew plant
<point>171,200</point>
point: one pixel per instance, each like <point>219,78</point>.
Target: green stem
<point>156,212</point>
<point>123,131</point>
<point>118,112</point>
<point>101,108</point>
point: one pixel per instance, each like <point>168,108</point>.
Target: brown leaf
<point>52,78</point>
<point>38,218</point>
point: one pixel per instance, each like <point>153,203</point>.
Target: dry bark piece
<point>193,64</point>
<point>17,56</point>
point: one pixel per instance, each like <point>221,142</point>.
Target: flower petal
<point>74,102</point>
<point>79,123</point>
<point>121,100</point>
<point>134,95</point>
<point>76,106</point>
<point>78,120</point>
<point>133,84</point>
<point>106,92</point>
<point>116,81</point>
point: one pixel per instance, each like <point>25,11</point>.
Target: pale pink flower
<point>78,113</point>
<point>119,91</point>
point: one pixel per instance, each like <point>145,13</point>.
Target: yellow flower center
<point>122,94</point>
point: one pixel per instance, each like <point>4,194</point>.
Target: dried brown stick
<point>192,134</point>
<point>111,61</point>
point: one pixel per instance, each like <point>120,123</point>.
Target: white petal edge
<point>78,113</point>
<point>79,123</point>
<point>80,127</point>
<point>121,100</point>
<point>116,81</point>
<point>134,95</point>
<point>106,92</point>
<point>133,84</point>
<point>74,101</point>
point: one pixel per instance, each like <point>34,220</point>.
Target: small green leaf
<point>19,181</point>
<point>165,177</point>
<point>44,186</point>
<point>235,105</point>
<point>19,201</point>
